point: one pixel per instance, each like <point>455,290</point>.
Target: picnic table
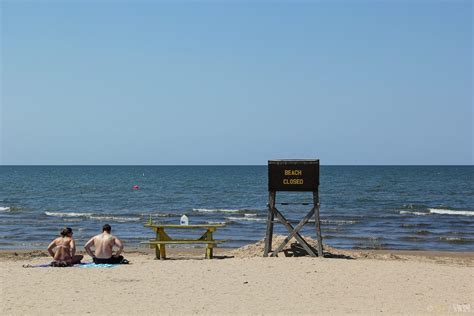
<point>162,238</point>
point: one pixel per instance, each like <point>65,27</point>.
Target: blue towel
<point>80,265</point>
<point>95,265</point>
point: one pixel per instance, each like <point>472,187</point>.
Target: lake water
<point>383,207</point>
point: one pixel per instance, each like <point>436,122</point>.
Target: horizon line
<point>228,165</point>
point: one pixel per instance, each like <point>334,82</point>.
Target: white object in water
<point>184,220</point>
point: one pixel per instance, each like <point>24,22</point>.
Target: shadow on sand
<point>296,250</point>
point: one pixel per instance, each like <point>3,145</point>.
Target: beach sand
<point>375,281</point>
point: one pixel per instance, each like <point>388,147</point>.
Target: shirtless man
<point>65,254</point>
<point>104,244</point>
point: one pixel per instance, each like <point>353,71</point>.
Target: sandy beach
<point>239,282</point>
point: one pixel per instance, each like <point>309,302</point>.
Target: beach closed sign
<point>293,175</point>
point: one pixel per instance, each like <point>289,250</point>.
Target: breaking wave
<point>216,223</point>
<point>162,215</point>
<point>206,210</point>
<point>414,213</point>
<point>116,218</point>
<point>94,217</point>
<point>458,240</point>
<point>245,219</point>
<point>4,209</point>
<point>63,214</point>
<point>440,211</point>
<point>450,212</point>
<point>337,222</point>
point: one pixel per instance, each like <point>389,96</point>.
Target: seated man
<point>65,254</point>
<point>104,244</point>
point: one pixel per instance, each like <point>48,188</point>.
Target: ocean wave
<point>405,225</point>
<point>216,223</point>
<point>450,238</point>
<point>4,209</point>
<point>337,222</point>
<point>414,213</point>
<point>412,238</point>
<point>458,240</point>
<point>207,210</point>
<point>423,232</point>
<point>440,211</point>
<point>251,219</point>
<point>415,206</point>
<point>71,214</point>
<point>161,215</point>
<point>450,212</point>
<point>92,216</point>
<point>116,218</point>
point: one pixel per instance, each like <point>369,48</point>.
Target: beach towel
<point>95,265</point>
<point>80,265</point>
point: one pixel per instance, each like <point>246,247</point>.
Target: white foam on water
<point>250,215</point>
<point>237,219</point>
<point>91,216</point>
<point>216,223</point>
<point>147,215</point>
<point>115,218</point>
<point>206,210</point>
<point>450,212</point>
<point>4,209</point>
<point>72,214</point>
<point>414,213</point>
<point>338,222</point>
<point>450,238</point>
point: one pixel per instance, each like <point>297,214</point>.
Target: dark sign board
<point>293,175</point>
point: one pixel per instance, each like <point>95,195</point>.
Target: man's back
<point>103,244</point>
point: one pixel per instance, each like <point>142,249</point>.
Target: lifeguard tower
<point>296,176</point>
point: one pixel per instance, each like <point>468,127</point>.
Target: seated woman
<point>65,254</point>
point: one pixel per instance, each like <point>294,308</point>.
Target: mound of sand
<point>451,258</point>
<point>256,249</point>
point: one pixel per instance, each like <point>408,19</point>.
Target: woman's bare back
<point>63,249</point>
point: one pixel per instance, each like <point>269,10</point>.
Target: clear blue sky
<point>236,83</point>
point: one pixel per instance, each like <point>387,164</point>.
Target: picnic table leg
<point>161,249</point>
<point>209,251</point>
<point>157,252</point>
<point>210,247</point>
<point>162,252</point>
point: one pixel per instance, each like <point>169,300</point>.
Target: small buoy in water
<point>136,187</point>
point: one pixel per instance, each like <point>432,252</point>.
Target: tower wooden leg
<point>270,218</point>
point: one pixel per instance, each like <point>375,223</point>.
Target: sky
<point>236,82</point>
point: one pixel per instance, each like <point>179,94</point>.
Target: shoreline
<point>464,258</point>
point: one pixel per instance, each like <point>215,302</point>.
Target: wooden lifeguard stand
<point>296,176</point>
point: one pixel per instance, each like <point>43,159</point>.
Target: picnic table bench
<point>162,238</point>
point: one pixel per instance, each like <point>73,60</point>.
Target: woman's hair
<point>65,231</point>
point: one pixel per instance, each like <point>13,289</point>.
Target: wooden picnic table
<point>162,238</point>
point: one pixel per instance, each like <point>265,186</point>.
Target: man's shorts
<point>111,260</point>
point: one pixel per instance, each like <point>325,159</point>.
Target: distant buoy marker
<point>136,187</point>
